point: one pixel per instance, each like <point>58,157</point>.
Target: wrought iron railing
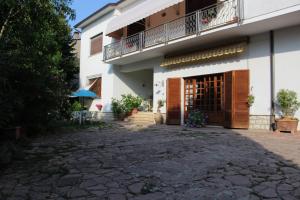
<point>194,23</point>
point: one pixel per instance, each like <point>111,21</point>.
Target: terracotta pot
<point>287,125</point>
<point>159,119</point>
<point>134,111</point>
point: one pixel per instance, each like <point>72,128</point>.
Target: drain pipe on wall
<point>272,71</point>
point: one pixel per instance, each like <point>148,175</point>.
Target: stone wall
<point>260,122</point>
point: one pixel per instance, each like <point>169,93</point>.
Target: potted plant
<point>158,117</point>
<point>251,100</point>
<point>131,103</point>
<point>118,109</point>
<point>196,119</point>
<point>288,102</point>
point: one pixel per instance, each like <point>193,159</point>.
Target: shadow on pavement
<point>123,161</point>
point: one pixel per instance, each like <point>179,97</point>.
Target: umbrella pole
<point>80,116</point>
<point>83,108</point>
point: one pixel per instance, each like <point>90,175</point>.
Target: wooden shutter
<point>96,44</point>
<point>236,99</point>
<point>97,86</point>
<point>174,101</point>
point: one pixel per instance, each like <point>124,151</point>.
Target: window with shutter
<point>97,86</point>
<point>96,44</point>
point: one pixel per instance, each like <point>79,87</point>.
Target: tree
<point>36,61</point>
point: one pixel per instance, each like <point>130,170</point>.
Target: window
<point>96,85</point>
<point>96,44</point>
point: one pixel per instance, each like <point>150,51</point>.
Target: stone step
<point>142,121</point>
<point>141,118</point>
<point>143,114</point>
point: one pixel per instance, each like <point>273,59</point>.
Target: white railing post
<point>141,40</point>
<point>197,22</point>
<point>238,10</point>
<point>200,16</point>
<point>166,30</point>
<point>122,46</point>
<point>104,54</point>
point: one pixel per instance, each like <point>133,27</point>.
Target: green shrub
<point>288,102</point>
<point>76,106</point>
<point>131,102</point>
<point>122,107</point>
<point>117,107</point>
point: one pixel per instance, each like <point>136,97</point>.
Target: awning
<point>205,55</point>
<point>141,11</point>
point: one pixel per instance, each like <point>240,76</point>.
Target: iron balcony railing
<point>214,16</point>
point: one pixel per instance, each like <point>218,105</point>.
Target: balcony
<point>195,23</point>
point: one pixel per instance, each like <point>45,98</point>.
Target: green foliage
<point>251,100</point>
<point>122,107</point>
<point>76,106</point>
<point>196,119</point>
<point>288,102</point>
<point>117,107</point>
<point>131,102</point>
<point>36,61</point>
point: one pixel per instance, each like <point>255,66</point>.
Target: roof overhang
<point>140,11</point>
<point>99,13</point>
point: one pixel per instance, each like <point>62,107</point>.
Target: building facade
<point>206,55</point>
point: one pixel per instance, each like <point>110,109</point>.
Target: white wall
<point>256,59</point>
<point>138,83</point>
<point>93,65</point>
<point>287,60</point>
<point>256,8</point>
<point>260,78</point>
<point>117,80</point>
<point>162,74</point>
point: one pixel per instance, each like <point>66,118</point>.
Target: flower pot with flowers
<point>288,103</point>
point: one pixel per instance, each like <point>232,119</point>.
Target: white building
<point>208,55</point>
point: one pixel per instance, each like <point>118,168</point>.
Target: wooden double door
<point>223,97</point>
<point>205,94</point>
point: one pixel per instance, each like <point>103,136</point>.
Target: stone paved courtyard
<point>163,162</point>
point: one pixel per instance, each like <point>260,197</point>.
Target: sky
<point>84,8</point>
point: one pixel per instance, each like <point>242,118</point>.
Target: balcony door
<point>136,27</point>
<point>193,5</point>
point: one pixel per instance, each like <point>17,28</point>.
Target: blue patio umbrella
<point>84,93</point>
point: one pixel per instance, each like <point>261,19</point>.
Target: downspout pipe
<point>272,73</point>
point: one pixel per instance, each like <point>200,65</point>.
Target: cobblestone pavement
<point>157,163</point>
